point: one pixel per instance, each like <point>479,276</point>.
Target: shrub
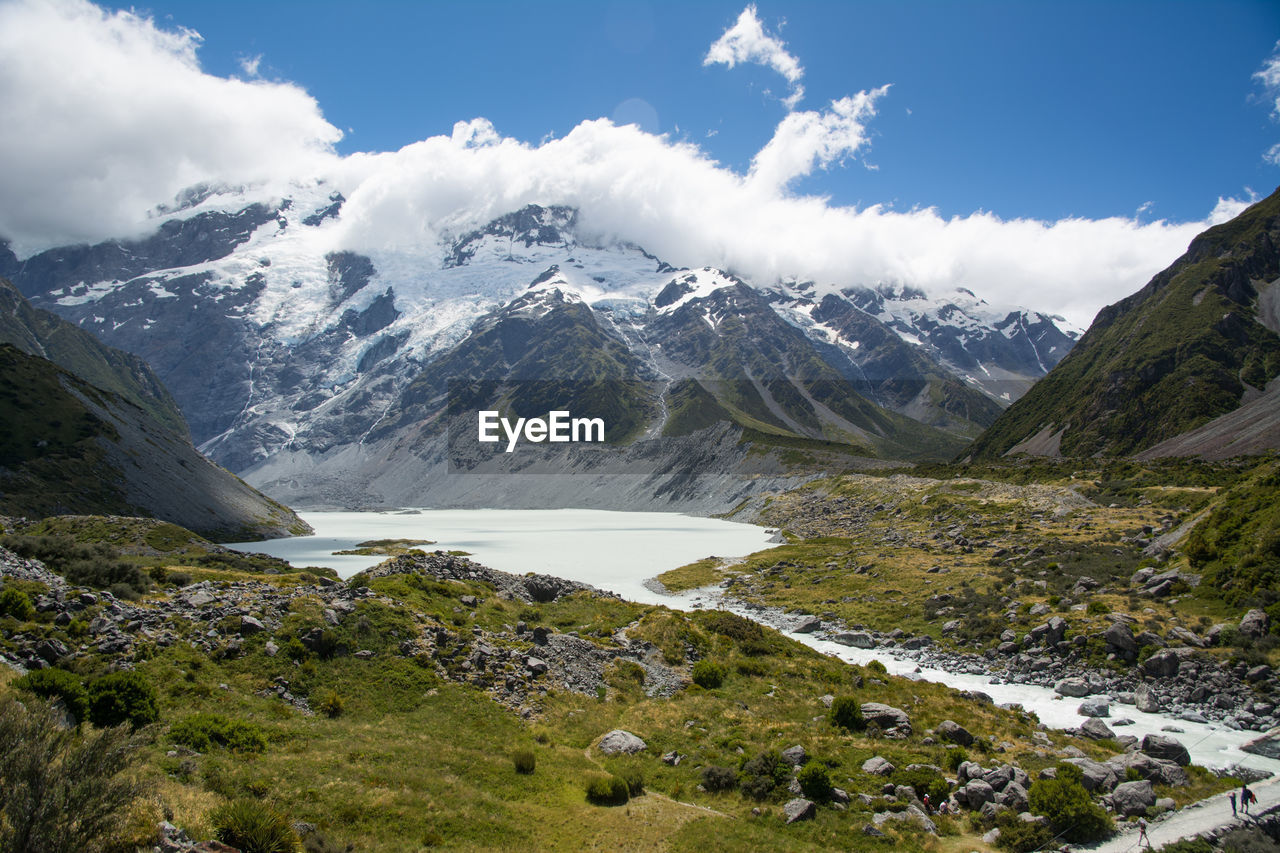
<point>203,732</point>
<point>64,789</point>
<point>57,683</point>
<point>708,674</point>
<point>955,757</point>
<point>877,667</point>
<point>331,704</point>
<point>525,761</point>
<point>123,697</point>
<point>846,714</point>
<point>15,603</point>
<point>715,778</point>
<point>762,774</point>
<point>253,827</point>
<point>1072,813</point>
<point>1019,835</point>
<point>1098,608</point>
<point>732,625</point>
<point>606,790</point>
<point>815,782</point>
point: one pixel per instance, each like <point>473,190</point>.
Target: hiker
<point>1246,797</point>
<point>1142,832</point>
<point>927,810</point>
<point>1232,797</point>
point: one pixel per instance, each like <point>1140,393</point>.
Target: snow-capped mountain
<point>287,352</point>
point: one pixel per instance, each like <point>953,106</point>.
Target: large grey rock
<point>1095,708</point>
<point>1096,729</point>
<point>1162,664</point>
<point>877,766</point>
<point>809,625</point>
<point>856,639</point>
<point>977,793</point>
<point>1268,745</point>
<point>1167,748</point>
<point>890,720</point>
<point>1144,699</point>
<point>250,626</point>
<point>954,732</point>
<point>1097,777</point>
<point>912,814</point>
<point>1254,625</point>
<point>1133,798</point>
<point>621,742</point>
<point>795,755</point>
<point>1120,636</point>
<point>1013,796</point>
<point>1075,687</point>
<point>799,809</point>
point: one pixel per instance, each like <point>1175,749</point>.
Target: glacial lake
<point>620,551</point>
<point>616,551</point>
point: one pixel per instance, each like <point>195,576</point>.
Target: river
<point>620,551</point>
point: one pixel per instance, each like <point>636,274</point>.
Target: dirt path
<point>1192,820</point>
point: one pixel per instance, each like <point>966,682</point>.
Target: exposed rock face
<point>1255,624</point>
<point>1096,729</point>
<point>621,742</point>
<point>1162,664</point>
<point>1144,699</point>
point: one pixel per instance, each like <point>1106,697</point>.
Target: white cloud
<point>109,115</point>
<point>807,139</point>
<point>106,115</point>
<point>672,199</point>
<point>1269,77</point>
<point>746,41</point>
<point>1229,208</point>
<point>249,64</point>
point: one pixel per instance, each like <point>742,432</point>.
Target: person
<point>1232,798</point>
<point>943,808</point>
<point>925,799</point>
<point>1246,797</point>
<point>1142,831</point>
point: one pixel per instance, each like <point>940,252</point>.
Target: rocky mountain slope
<point>69,445</point>
<point>1182,367</point>
<point>300,364</point>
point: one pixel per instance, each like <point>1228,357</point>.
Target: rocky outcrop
<point>620,742</point>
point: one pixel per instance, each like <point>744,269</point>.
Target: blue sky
<point>1032,109</point>
<point>1057,154</point>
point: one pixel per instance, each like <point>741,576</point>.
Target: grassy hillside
<point>1171,357</point>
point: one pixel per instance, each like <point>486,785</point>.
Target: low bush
<point>761,775</point>
<point>15,603</point>
<point>716,778</point>
<point>204,732</point>
<point>955,757</point>
<point>634,777</point>
<point>606,790</point>
<point>847,714</point>
<point>123,697</point>
<point>923,781</point>
<point>1021,836</point>
<point>1072,813</point>
<point>57,683</point>
<point>525,761</point>
<point>708,674</point>
<point>331,704</point>
<point>815,782</point>
<point>251,826</point>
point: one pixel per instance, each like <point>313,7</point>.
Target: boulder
<point>976,793</point>
<point>1120,637</point>
<point>1254,625</point>
<point>795,755</point>
<point>1166,748</point>
<point>877,766</point>
<point>1094,708</point>
<point>1187,636</point>
<point>955,733</point>
<point>808,626</point>
<point>890,720</point>
<point>1098,777</point>
<point>1133,798</point>
<point>1162,664</point>
<point>799,809</point>
<point>856,639</point>
<point>1268,745</point>
<point>620,742</point>
<point>1013,796</point>
<point>1096,729</point>
<point>1144,699</point>
<point>250,626</point>
<point>1074,687</point>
